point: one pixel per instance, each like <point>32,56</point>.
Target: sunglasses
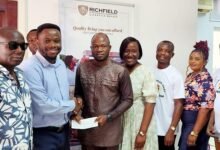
<point>12,45</point>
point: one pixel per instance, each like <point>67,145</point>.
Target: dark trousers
<point>48,138</point>
<point>162,146</point>
<point>86,147</point>
<point>188,119</point>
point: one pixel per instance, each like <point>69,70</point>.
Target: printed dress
<point>15,112</point>
<point>144,90</point>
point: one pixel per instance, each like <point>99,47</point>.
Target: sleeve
<point>126,96</point>
<point>178,88</point>
<point>78,86</point>
<point>216,77</point>
<point>149,89</point>
<point>206,92</point>
<point>41,101</point>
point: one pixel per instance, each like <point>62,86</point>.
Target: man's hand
<point>102,119</point>
<point>76,111</point>
<point>78,103</point>
<point>77,118</point>
<point>78,106</point>
<point>169,138</point>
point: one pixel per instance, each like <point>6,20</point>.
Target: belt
<point>51,128</point>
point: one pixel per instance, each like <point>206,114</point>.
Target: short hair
<point>32,30</point>
<point>6,32</point>
<point>101,34</point>
<point>47,26</point>
<point>168,43</point>
<point>125,43</point>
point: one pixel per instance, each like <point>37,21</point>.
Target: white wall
<point>155,20</point>
<point>42,11</point>
<point>167,20</point>
<point>22,16</point>
<point>205,29</point>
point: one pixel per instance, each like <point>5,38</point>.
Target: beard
<point>50,59</point>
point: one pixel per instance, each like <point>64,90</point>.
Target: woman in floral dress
<point>138,122</point>
<point>199,98</point>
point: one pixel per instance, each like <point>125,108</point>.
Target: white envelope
<point>84,123</point>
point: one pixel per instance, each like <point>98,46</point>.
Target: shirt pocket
<point>87,80</point>
<point>109,82</point>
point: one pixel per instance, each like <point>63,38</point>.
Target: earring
<point>202,68</point>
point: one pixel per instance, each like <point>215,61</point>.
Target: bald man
<point>106,90</point>
<point>15,101</point>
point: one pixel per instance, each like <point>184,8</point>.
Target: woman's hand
<point>140,141</point>
<point>191,140</point>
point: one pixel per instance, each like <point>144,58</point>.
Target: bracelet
<point>109,117</point>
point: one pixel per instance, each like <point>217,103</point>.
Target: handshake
<point>76,113</point>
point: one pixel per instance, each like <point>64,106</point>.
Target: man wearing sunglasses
<point>47,77</point>
<point>15,101</point>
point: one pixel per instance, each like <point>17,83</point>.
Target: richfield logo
<point>83,9</point>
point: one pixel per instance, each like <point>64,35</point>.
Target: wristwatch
<point>109,117</point>
<point>75,112</point>
<point>141,133</point>
<point>193,133</point>
<point>172,128</point>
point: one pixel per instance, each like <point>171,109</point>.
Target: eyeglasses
<point>12,45</point>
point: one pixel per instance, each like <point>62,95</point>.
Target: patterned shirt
<point>15,112</point>
<point>199,91</point>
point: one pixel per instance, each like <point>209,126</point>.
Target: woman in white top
<point>138,122</point>
<point>214,122</point>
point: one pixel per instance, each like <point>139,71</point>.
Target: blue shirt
<point>49,91</point>
<point>15,111</point>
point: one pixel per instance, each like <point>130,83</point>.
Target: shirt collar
<point>4,70</point>
<point>46,63</point>
<point>7,74</point>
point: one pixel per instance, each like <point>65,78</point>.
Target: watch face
<point>193,133</point>
<point>173,128</point>
<point>141,133</point>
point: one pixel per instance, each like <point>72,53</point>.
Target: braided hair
<point>202,46</point>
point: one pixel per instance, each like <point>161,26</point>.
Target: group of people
<point>136,108</point>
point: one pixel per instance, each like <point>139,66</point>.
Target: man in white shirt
<point>169,104</point>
